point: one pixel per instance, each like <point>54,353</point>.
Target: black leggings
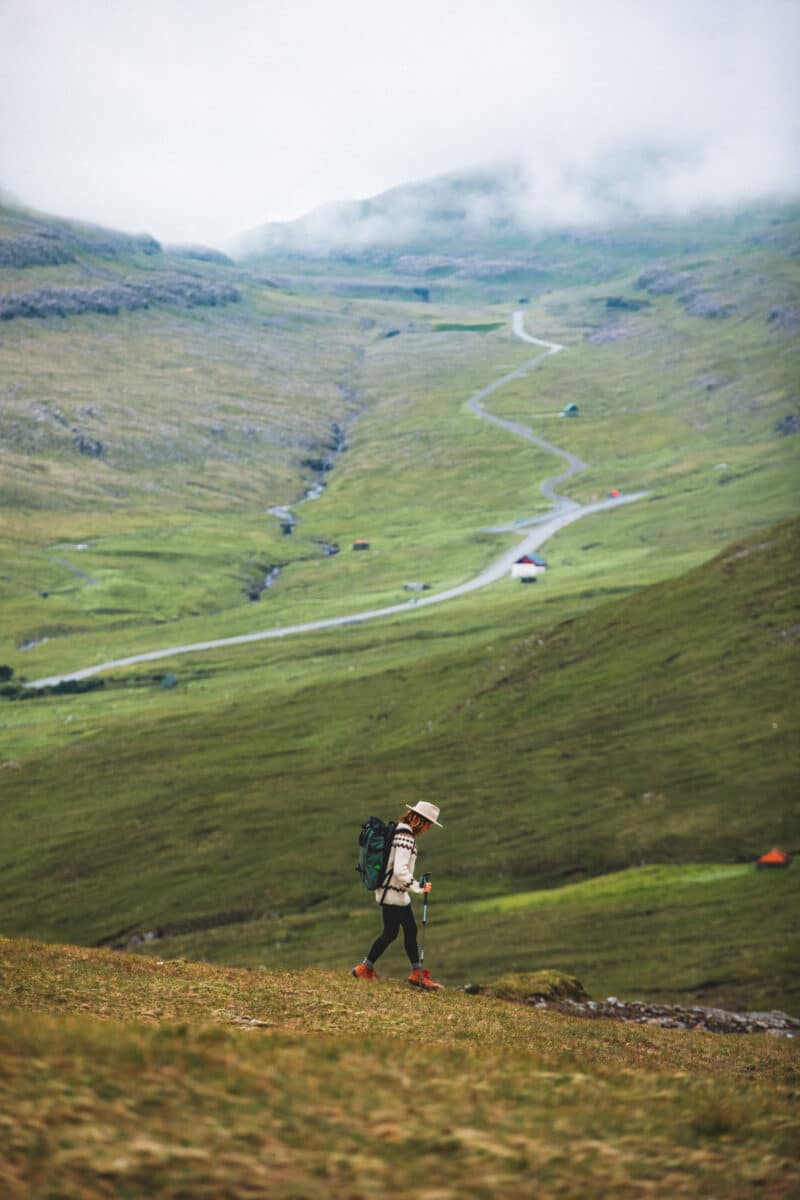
<point>395,915</point>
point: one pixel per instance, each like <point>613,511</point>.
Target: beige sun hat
<point>427,811</point>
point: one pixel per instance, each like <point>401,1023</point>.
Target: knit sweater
<point>400,869</point>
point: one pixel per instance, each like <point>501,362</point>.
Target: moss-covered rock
<point>529,986</point>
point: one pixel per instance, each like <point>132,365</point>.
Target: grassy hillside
<point>127,1077</point>
<point>154,405</point>
<point>657,729</point>
<point>142,447</point>
<point>206,417</point>
<point>635,708</point>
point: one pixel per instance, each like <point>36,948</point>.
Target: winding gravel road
<point>565,512</point>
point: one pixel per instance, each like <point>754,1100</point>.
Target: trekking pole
<point>425,879</point>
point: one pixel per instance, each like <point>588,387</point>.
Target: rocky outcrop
<point>701,304</point>
<point>662,281</point>
<point>110,299</point>
<point>566,994</point>
<point>679,1016</point>
<point>784,317</point>
<point>625,303</point>
<point>45,245</point>
<point>534,987</point>
<point>87,445</point>
<point>611,333</point>
<point>788,425</point>
<point>34,251</point>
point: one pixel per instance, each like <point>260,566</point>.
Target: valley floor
<point>564,514</point>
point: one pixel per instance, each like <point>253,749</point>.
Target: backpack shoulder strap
<point>393,826</point>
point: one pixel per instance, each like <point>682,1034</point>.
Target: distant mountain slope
<point>111,376</point>
<point>158,401</point>
<point>488,227</point>
<point>29,238</point>
<point>101,270</point>
<point>473,206</point>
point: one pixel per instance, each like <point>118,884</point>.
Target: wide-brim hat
<point>429,812</point>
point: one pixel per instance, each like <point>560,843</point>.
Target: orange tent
<point>775,858</point>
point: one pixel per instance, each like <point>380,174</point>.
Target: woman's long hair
<point>415,821</point>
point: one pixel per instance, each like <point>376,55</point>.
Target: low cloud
<point>650,181</point>
<point>196,121</point>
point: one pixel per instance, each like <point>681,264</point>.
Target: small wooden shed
<point>528,567</point>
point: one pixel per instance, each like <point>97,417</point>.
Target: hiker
<point>393,896</point>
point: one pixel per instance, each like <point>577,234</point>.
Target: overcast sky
<point>195,120</point>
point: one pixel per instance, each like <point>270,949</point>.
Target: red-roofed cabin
<point>528,567</point>
<point>774,858</point>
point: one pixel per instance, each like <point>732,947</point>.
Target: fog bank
<point>197,121</point>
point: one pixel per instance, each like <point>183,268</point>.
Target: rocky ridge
<point>679,1016</point>
<point>112,298</point>
<point>40,245</point>
<point>564,993</point>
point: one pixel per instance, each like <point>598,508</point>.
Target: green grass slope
<point>657,729</point>
<point>125,1077</point>
<point>154,404</point>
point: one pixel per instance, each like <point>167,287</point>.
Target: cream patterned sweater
<point>400,869</point>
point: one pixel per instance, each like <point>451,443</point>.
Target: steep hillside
<point>129,370</point>
<point>153,406</point>
<point>129,1078</point>
<point>657,729</point>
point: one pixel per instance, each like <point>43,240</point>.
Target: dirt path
<point>566,511</point>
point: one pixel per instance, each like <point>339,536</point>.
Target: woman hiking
<point>394,899</point>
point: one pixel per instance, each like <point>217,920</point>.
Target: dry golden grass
<point>126,1077</point>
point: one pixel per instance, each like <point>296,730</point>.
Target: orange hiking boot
<point>421,977</point>
<point>364,971</point>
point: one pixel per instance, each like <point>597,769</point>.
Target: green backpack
<point>374,846</point>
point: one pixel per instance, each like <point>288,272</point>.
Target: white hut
<point>528,567</point>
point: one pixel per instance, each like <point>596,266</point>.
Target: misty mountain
<point>507,229</point>
<point>468,207</point>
